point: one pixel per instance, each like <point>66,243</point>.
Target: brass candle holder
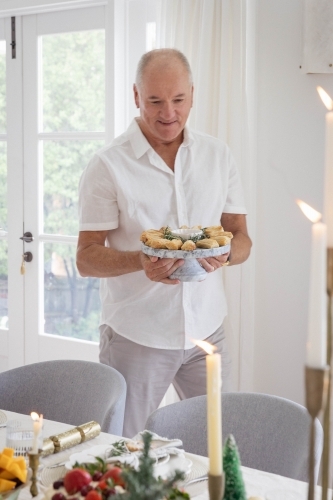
<point>33,464</point>
<point>216,486</point>
<point>327,412</point>
<point>316,384</point>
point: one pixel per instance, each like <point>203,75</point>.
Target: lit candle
<point>40,443</point>
<point>214,410</point>
<point>316,342</point>
<point>328,186</point>
<point>36,427</point>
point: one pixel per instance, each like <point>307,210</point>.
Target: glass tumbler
<point>20,437</point>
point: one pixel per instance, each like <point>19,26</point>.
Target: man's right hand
<point>160,269</point>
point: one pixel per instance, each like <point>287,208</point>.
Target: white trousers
<point>149,372</point>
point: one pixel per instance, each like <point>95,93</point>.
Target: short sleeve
<point>98,207</point>
<point>235,197</point>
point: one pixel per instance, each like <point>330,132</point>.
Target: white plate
<point>163,469</point>
<point>3,417</point>
<point>198,468</point>
<point>176,462</point>
<point>89,455</point>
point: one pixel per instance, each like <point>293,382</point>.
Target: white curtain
<point>218,38</point>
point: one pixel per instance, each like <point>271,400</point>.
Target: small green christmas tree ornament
<point>234,484</point>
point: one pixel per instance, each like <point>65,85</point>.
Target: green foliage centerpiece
<point>141,484</point>
<point>234,483</point>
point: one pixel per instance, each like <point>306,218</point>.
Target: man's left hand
<point>212,263</point>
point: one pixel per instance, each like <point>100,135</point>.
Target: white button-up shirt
<point>126,189</point>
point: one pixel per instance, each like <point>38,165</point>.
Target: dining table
<point>258,484</point>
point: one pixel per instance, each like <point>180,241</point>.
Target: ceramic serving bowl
<point>186,234</point>
<point>191,270</point>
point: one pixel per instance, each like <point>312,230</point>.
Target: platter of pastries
<point>188,243</point>
<point>186,239</point>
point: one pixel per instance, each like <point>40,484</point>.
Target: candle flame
<point>206,346</point>
<point>325,98</point>
<point>34,416</point>
<point>308,211</point>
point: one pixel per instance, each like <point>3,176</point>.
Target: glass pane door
<point>68,84</point>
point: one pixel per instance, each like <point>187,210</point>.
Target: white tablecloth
<point>257,483</point>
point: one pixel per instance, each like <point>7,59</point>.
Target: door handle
<point>27,237</point>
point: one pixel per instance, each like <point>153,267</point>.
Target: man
<point>158,173</point>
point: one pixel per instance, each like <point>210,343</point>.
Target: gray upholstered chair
<point>67,391</point>
<point>272,433</point>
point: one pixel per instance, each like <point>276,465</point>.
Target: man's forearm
<point>240,248</point>
<point>103,262</point>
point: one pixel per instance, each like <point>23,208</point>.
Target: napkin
<point>160,448</point>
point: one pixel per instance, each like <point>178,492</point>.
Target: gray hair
<point>167,53</point>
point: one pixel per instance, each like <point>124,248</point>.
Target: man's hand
<point>240,244</point>
<point>210,264</point>
<point>160,269</point>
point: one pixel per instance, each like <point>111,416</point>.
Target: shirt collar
<point>139,143</point>
<point>188,137</point>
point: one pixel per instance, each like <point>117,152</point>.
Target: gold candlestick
<point>216,487</point>
<point>327,413</point>
<point>33,464</point>
<point>316,383</point>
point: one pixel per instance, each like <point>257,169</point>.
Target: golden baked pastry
<point>227,233</point>
<point>207,243</point>
<point>189,245</point>
<point>222,240</point>
<point>157,243</point>
<point>151,233</point>
<point>214,228</point>
<point>214,234</point>
<point>174,244</point>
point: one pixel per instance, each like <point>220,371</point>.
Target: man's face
<point>165,100</point>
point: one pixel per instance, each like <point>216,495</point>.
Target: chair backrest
<point>69,391</point>
<point>272,433</point>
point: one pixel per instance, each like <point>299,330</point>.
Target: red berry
<point>102,485</point>
<point>115,475</point>
<point>58,496</point>
<point>58,484</point>
<point>109,492</point>
<point>75,480</point>
<point>85,489</point>
<point>94,495</point>
<point>97,475</point>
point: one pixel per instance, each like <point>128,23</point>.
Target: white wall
<point>290,165</point>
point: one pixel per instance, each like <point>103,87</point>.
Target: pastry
<point>207,243</point>
<point>157,243</point>
<point>227,233</point>
<point>151,233</point>
<point>189,245</point>
<point>214,228</point>
<point>222,240</point>
<point>173,244</point>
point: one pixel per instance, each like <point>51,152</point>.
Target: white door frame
<point>16,339</point>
